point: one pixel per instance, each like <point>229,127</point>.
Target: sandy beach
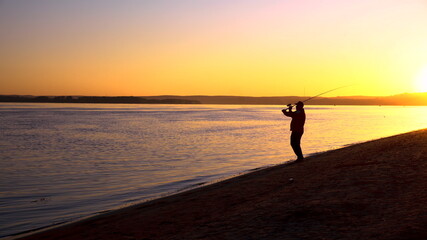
<point>372,190</point>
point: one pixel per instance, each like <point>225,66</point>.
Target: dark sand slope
<point>373,190</point>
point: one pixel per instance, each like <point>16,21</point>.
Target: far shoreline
<point>406,99</point>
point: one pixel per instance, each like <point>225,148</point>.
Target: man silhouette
<point>297,127</point>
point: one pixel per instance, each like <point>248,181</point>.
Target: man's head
<point>300,105</point>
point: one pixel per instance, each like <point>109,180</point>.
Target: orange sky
<point>221,47</point>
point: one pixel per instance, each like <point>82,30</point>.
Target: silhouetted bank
<point>407,99</point>
<point>85,99</point>
<point>373,190</point>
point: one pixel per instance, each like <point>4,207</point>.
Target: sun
<point>421,80</point>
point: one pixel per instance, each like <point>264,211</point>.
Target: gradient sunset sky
<point>212,47</point>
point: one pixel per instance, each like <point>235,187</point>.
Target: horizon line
<point>202,95</point>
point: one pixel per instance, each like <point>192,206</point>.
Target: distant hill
<point>406,99</point>
<point>91,99</point>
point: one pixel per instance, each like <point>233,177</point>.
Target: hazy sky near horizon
<point>212,47</point>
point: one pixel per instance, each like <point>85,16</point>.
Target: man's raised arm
<point>287,111</point>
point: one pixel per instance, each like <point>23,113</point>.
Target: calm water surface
<point>61,162</point>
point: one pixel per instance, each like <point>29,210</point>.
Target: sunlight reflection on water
<point>63,161</point>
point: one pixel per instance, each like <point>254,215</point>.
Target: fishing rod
<point>308,99</point>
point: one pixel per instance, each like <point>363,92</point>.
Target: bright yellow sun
<point>421,80</point>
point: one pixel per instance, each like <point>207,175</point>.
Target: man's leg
<point>296,143</point>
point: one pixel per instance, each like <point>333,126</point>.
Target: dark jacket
<point>298,119</point>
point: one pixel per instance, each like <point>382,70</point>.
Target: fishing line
<point>310,98</point>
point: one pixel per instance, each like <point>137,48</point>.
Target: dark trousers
<point>296,143</point>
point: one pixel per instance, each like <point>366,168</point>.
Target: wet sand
<point>372,190</point>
